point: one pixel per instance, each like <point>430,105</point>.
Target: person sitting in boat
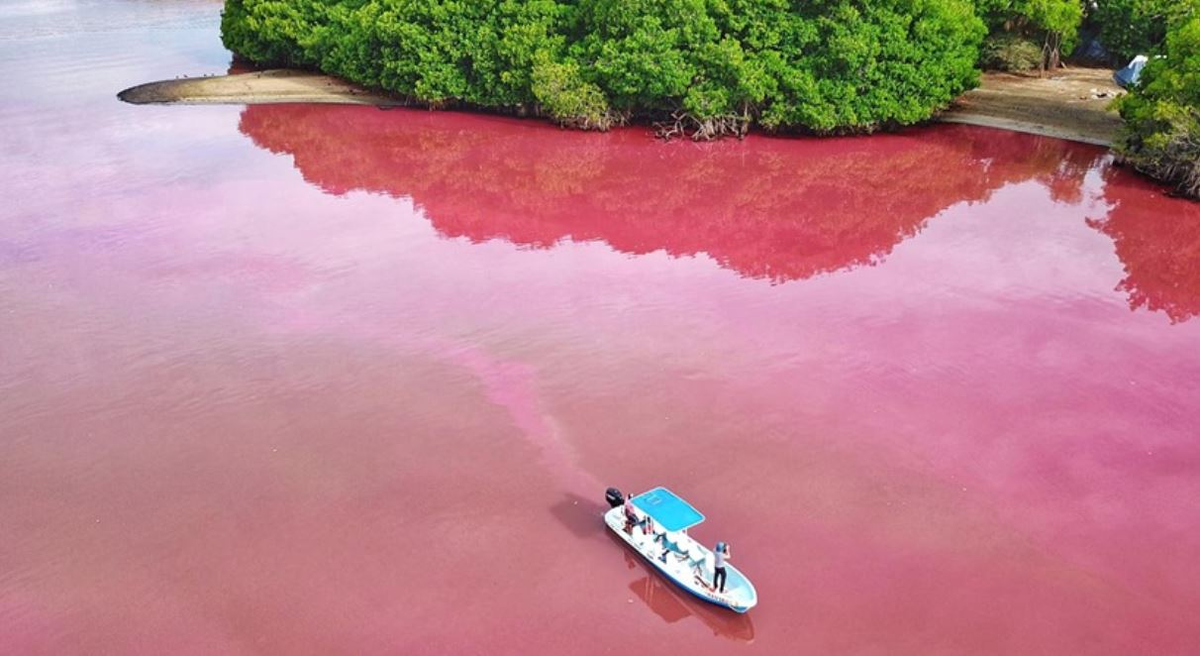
<point>720,555</point>
<point>631,519</point>
<point>672,542</point>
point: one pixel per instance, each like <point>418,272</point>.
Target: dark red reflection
<point>672,605</point>
<point>1159,249</point>
<point>763,208</point>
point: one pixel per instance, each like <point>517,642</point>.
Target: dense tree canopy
<point>711,67</point>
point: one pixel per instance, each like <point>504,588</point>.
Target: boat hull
<point>739,596</point>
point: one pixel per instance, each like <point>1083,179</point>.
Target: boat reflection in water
<point>672,605</point>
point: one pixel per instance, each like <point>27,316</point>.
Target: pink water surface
<point>314,380</point>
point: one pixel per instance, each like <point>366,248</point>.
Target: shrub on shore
<point>1054,24</point>
<point>1161,136</point>
<point>703,67</point>
<point>1010,52</point>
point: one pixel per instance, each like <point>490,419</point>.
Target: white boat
<point>665,544</point>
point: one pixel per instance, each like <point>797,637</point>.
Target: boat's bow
<point>740,594</point>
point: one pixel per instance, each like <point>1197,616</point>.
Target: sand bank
<point>260,87</point>
<point>1071,104</point>
<point>1065,105</point>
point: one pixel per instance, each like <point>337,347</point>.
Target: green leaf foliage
<point>1161,136</point>
<point>825,66</point>
<point>1053,23</point>
<point>1009,52</point>
<point>1138,27</point>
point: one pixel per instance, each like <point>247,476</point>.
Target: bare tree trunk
<point>1051,56</point>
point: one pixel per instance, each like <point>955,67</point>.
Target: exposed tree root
<point>683,124</point>
<point>1173,157</point>
<point>601,122</point>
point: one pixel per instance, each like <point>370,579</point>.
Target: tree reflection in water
<point>776,209</point>
<point>1159,249</point>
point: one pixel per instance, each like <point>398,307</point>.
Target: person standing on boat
<point>720,555</point>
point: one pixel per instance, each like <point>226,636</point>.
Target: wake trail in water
<point>507,383</point>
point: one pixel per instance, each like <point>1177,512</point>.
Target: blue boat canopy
<point>667,509</point>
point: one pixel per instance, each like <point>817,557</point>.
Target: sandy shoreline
<point>257,88</point>
<point>1062,106</point>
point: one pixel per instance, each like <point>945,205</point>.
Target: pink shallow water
<point>334,380</point>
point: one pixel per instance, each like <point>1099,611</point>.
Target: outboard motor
<point>614,497</point>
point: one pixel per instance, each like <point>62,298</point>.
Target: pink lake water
<point>313,380</point>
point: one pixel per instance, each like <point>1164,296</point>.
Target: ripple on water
<point>254,361</point>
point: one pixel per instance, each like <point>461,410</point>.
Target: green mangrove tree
<point>701,67</point>
<point>1161,136</point>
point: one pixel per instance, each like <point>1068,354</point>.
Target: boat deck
<point>687,561</point>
